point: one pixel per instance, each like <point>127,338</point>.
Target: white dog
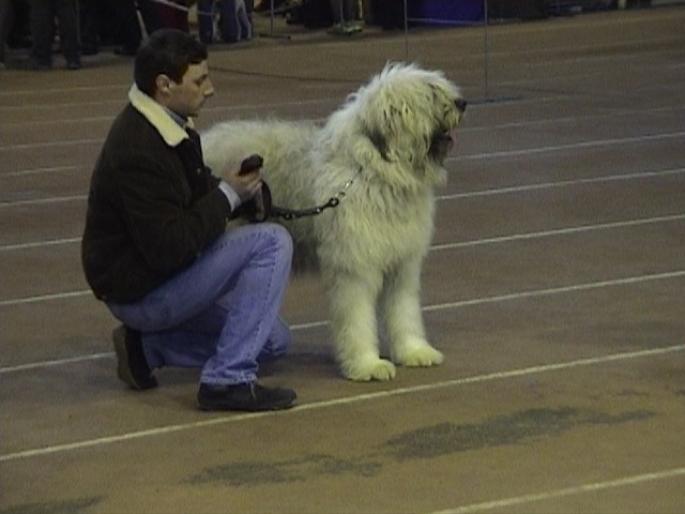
<point>384,148</point>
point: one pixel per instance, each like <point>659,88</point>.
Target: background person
<point>43,16</point>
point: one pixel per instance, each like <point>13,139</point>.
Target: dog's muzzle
<point>461,105</point>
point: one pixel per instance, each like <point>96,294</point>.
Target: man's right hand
<point>247,181</point>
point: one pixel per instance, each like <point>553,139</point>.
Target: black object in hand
<point>250,164</point>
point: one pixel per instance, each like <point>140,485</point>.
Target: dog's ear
<point>379,142</point>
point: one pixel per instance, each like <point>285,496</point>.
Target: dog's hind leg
<point>353,321</point>
<point>401,312</point>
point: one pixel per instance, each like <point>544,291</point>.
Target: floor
<point>554,288</point>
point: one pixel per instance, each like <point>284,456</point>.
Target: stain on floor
<point>64,507</point>
<point>296,470</point>
<point>424,443</point>
<point>446,438</point>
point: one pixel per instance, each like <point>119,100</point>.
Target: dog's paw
<point>369,369</point>
<point>420,356</point>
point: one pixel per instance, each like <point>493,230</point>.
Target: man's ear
<point>163,84</point>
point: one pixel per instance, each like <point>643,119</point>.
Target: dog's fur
<point>391,138</point>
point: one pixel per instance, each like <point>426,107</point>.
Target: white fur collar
<point>158,116</point>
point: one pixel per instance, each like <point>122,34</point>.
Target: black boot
<point>132,367</point>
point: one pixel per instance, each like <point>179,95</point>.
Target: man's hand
<point>247,181</point>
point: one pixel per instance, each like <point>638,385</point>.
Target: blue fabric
<point>220,313</point>
<point>234,24</point>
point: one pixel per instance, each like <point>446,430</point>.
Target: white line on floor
<point>46,91</point>
<point>41,201</point>
<point>574,119</point>
<point>35,171</point>
<point>122,102</point>
<point>223,419</point>
<point>458,35</point>
<point>562,183</point>
<point>39,244</point>
<point>52,144</point>
<point>568,491</point>
<point>601,142</point>
<point>557,232</point>
<point>556,148</point>
<point>58,362</point>
<point>45,297</point>
<point>470,194</point>
<point>611,113</point>
<point>557,290</point>
<point>442,246</point>
<point>487,192</point>
<point>428,308</point>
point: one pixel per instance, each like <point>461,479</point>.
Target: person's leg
<point>234,291</point>
<point>129,33</point>
<point>230,30</point>
<point>205,20</point>
<point>68,30</point>
<point>150,13</point>
<point>171,347</point>
<point>42,32</point>
<point>88,23</point>
<point>6,21</point>
<point>244,25</point>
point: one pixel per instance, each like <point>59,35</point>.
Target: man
<point>156,251</point>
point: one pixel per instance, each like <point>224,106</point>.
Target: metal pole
<point>406,32</point>
<point>271,30</point>
<point>486,49</point>
<point>78,24</point>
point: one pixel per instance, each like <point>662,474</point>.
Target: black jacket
<point>152,208</point>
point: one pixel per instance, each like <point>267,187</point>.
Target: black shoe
<point>36,65</point>
<point>126,52</point>
<point>132,367</point>
<point>248,397</point>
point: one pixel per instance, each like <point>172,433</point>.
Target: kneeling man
<point>156,250</point>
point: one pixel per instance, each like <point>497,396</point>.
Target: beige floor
<point>555,289</point>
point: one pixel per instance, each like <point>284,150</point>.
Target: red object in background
<point>171,17</point>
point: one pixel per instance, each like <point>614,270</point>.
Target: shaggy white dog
<point>390,140</point>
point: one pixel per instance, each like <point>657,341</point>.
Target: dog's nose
<point>461,104</point>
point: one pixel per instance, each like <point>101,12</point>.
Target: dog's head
<point>410,116</point>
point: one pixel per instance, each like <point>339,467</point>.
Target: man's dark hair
<point>168,52</point>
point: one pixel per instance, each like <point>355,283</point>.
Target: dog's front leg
<point>401,310</point>
<point>353,321</point>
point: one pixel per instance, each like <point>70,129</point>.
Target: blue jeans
<point>234,21</point>
<point>221,313</point>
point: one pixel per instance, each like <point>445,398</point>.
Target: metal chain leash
<point>334,201</point>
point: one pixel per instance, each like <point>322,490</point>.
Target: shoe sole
<point>209,408</point>
<point>123,371</point>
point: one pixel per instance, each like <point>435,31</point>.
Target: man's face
<point>187,97</point>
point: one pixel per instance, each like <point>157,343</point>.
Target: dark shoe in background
<point>89,50</point>
<point>36,65</point>
<point>125,52</point>
<point>132,368</point>
<point>244,397</point>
